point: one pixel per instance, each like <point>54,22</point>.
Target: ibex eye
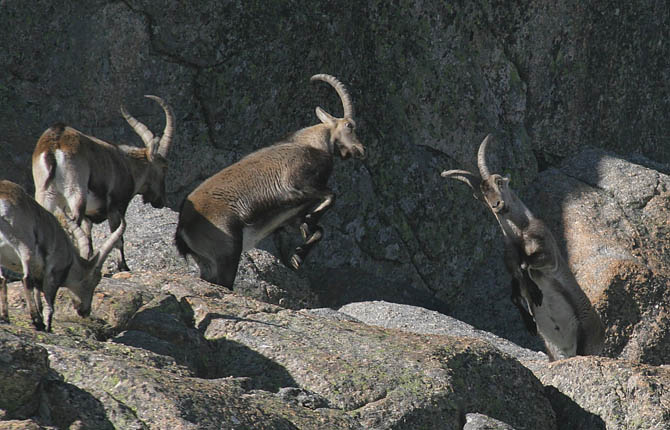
<point>350,125</point>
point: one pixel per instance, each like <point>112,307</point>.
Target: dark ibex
<point>93,180</point>
<point>32,242</point>
<point>557,307</point>
<point>234,209</point>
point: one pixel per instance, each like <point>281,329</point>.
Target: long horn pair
<point>347,106</point>
<point>146,134</point>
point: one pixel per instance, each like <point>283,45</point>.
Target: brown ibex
<point>557,307</point>
<point>93,180</point>
<point>234,209</point>
<point>33,242</point>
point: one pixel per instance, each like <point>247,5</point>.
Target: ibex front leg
<point>310,230</point>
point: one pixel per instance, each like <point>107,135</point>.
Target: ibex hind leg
<point>220,268</point>
<point>114,221</point>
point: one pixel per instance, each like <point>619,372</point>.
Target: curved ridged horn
<point>472,180</point>
<point>341,91</point>
<point>107,247</point>
<point>81,239</point>
<point>481,159</point>
<point>166,139</point>
<point>141,129</point>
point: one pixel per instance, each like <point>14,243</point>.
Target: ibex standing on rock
<point>93,180</point>
<point>557,307</point>
<point>234,209</point>
<point>32,242</point>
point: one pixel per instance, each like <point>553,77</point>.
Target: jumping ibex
<point>93,180</point>
<point>32,242</point>
<point>557,307</point>
<point>234,209</point>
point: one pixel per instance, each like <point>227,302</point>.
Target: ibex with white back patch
<point>93,180</point>
<point>557,307</point>
<point>33,242</point>
<point>234,209</point>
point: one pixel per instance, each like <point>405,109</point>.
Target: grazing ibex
<point>33,242</point>
<point>557,307</point>
<point>93,180</point>
<point>234,209</point>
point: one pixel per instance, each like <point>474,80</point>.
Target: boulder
<point>23,369</point>
<point>622,394</point>
<point>610,216</point>
<point>195,355</point>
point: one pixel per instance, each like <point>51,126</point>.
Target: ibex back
<point>245,202</point>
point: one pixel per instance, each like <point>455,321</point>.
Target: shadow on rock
<point>71,407</point>
<point>165,326</point>
<point>571,416</point>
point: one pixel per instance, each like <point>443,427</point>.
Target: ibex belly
<point>254,233</point>
<point>9,259</point>
<point>556,320</point>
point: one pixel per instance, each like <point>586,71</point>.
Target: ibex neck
<point>317,136</point>
<point>516,218</point>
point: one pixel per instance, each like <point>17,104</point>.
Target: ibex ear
<point>325,117</point>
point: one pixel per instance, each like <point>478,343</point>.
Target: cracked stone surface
<point>573,91</point>
<point>194,355</point>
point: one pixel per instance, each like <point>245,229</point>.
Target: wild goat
<point>32,242</point>
<point>94,180</point>
<point>234,209</point>
<point>557,307</point>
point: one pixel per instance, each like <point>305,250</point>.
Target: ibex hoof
<point>39,325</point>
<point>296,261</point>
<point>305,231</point>
<point>4,320</point>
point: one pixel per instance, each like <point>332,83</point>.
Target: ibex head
<point>342,130</point>
<point>153,189</point>
<point>83,282</point>
<point>492,189</point>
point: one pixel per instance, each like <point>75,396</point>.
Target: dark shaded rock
<point>23,367</point>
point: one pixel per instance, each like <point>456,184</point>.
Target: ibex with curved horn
<point>93,180</point>
<point>557,307</point>
<point>234,209</point>
<point>32,242</point>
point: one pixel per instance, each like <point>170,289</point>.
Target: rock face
<point>428,81</point>
<point>194,356</point>
<point>575,96</point>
